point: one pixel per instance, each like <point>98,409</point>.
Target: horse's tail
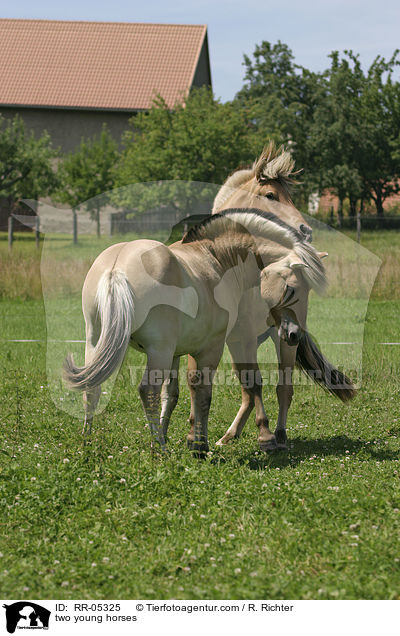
<point>115,309</point>
<point>310,359</point>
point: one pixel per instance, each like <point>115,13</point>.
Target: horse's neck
<point>244,256</point>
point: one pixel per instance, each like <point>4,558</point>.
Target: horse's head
<point>285,286</point>
<point>267,187</point>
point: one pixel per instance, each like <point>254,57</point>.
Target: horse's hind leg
<point>284,389</point>
<point>169,395</point>
<point>90,396</point>
<point>191,369</point>
<point>157,371</point>
<point>90,400</point>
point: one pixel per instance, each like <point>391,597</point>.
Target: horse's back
<point>125,257</point>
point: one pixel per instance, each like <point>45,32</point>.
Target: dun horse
<point>267,187</point>
<point>190,298</point>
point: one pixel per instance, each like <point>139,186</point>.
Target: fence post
<point>37,231</point>
<point>10,231</point>
<point>74,227</point>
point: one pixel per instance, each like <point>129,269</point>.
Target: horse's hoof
<point>281,440</point>
<point>268,446</point>
<point>159,449</point>
<point>223,441</point>
<point>199,449</point>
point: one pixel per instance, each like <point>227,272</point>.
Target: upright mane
<point>267,226</point>
<point>274,164</point>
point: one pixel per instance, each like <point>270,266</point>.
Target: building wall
<point>202,75</point>
<point>67,127</point>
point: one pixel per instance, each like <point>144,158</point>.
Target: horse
<point>267,186</point>
<point>187,299</point>
<point>270,179</point>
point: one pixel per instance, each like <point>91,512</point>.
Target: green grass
<point>114,521</point>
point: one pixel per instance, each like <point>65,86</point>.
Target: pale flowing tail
<point>311,360</point>
<point>115,307</point>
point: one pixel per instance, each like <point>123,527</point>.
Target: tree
<point>199,140</point>
<point>26,163</point>
<point>353,134</point>
<point>88,173</point>
<point>381,121</point>
<point>281,98</point>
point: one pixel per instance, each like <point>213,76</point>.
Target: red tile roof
<point>93,65</point>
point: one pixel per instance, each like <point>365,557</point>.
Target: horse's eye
<point>270,195</point>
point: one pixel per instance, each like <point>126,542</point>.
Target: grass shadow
<point>300,449</point>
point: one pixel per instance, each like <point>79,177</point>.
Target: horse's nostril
<point>292,336</point>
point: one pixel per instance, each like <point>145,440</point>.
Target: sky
<point>312,29</point>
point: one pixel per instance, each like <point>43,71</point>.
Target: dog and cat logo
<point>26,615</point>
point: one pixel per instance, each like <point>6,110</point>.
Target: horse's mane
<point>265,225</point>
<point>274,164</point>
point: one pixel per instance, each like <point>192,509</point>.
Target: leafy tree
<point>353,135</point>
<point>281,98</point>
<point>381,120</point>
<point>88,173</point>
<point>26,163</point>
<point>199,140</point>
<point>335,145</point>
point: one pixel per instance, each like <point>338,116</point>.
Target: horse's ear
<point>296,265</point>
<point>322,255</point>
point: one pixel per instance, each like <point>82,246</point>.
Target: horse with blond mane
<point>267,187</point>
<point>191,297</point>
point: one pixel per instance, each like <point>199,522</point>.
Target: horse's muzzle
<point>291,334</point>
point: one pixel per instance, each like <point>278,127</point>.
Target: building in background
<point>70,78</point>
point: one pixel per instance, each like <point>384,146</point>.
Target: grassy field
<point>111,520</point>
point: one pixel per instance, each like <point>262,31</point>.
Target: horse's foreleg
<point>244,355</point>
<point>246,407</point>
<point>200,382</point>
<point>244,361</point>
<point>157,371</point>
<point>169,396</point>
<point>284,388</point>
